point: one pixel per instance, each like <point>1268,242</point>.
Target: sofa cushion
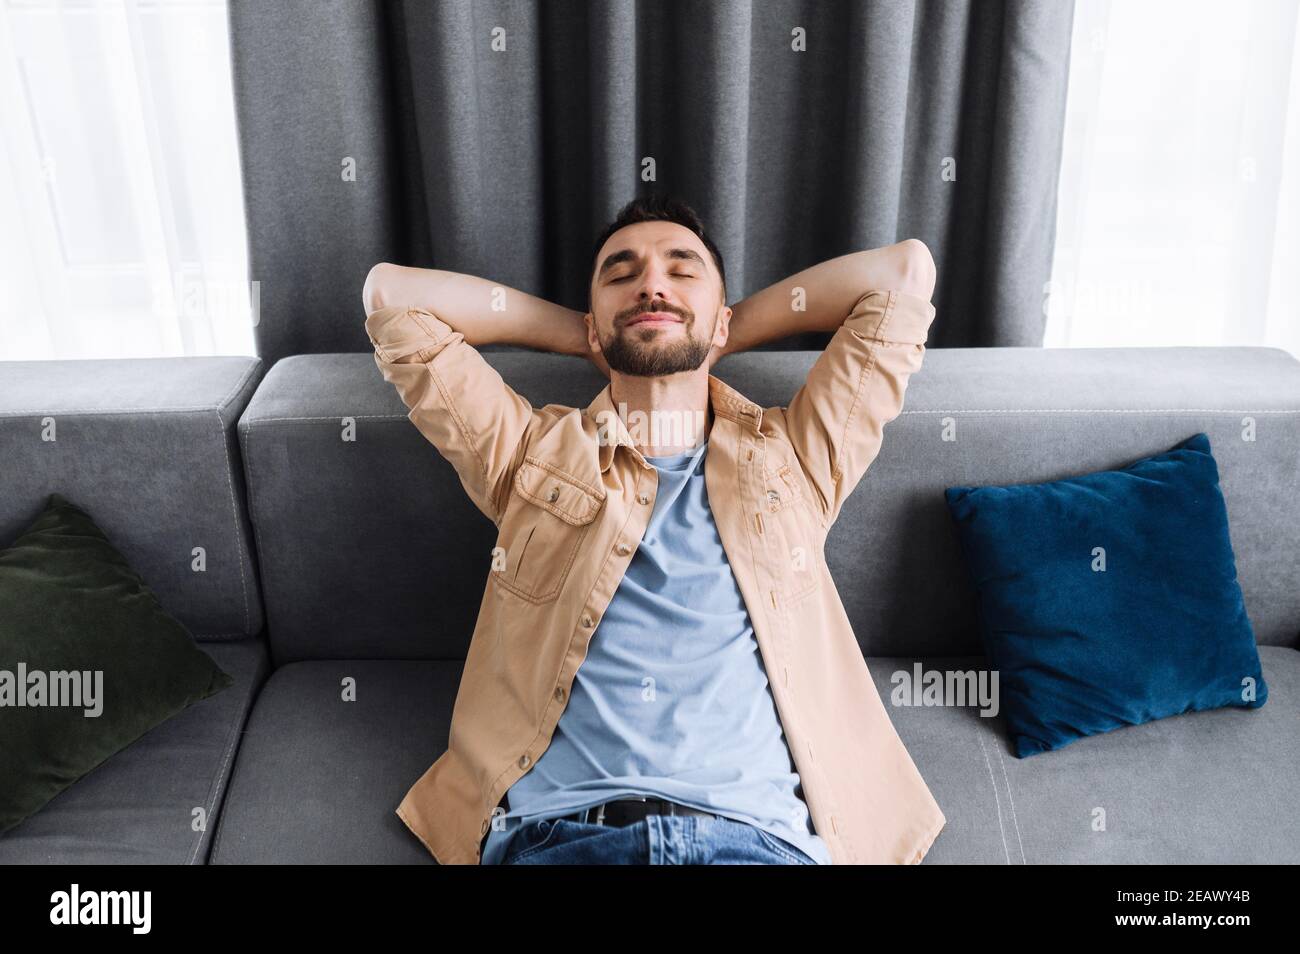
<point>1212,787</point>
<point>318,779</point>
<point>1111,598</point>
<point>147,445</point>
<point>138,807</point>
<point>975,416</point>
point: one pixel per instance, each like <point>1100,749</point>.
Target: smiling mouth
<point>655,318</point>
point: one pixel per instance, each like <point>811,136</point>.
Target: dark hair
<point>658,208</point>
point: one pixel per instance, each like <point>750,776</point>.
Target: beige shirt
<point>571,496</point>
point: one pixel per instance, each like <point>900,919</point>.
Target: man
<point>662,671</point>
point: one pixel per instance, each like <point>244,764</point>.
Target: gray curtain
<point>903,118</point>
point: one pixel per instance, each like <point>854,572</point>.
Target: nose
<point>654,282</point>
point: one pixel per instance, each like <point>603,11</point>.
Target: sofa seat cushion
<point>1211,787</point>
<point>318,779</point>
<point>138,807</point>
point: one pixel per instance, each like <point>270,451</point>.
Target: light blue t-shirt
<point>672,700</point>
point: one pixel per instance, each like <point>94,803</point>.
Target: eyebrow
<point>627,255</point>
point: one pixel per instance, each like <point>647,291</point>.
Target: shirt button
<point>642,499</point>
<point>586,619</point>
<point>624,549</point>
<point>554,495</point>
<point>559,693</point>
<point>523,761</point>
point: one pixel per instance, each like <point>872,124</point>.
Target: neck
<point>667,414</point>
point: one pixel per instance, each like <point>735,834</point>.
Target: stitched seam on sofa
<point>863,376</point>
<point>141,411</point>
<point>215,787</point>
<point>234,514</point>
<point>144,411</point>
<point>996,798</point>
<point>239,387</point>
<point>1014,821</point>
<point>216,841</point>
<point>1180,410</point>
<point>247,446</point>
<point>329,417</point>
<point>216,838</point>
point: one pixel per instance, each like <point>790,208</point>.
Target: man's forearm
<point>829,290</point>
<point>484,312</point>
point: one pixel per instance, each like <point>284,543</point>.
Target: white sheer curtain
<point>1179,219</point>
<point>121,210</point>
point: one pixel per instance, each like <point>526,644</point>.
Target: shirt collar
<point>725,400</point>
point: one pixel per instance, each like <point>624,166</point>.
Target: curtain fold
<point>497,138</point>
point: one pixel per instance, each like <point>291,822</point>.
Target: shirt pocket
<point>788,511</point>
<point>547,517</point>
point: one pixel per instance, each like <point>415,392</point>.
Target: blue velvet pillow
<point>1109,599</point>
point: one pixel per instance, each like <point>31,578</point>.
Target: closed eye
<point>614,281</point>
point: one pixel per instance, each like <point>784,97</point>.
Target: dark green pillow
<point>70,604</point>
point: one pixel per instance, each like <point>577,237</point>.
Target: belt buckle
<point>600,809</point>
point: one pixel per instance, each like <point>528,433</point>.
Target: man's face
<point>656,301</point>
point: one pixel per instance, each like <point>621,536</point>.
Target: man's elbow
<point>372,292</point>
<point>917,271</point>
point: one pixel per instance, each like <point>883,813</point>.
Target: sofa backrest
<point>147,448</point>
<point>369,547</point>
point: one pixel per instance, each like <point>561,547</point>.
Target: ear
<point>722,328</point>
<point>593,341</point>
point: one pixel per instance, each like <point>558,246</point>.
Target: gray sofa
<point>330,559</point>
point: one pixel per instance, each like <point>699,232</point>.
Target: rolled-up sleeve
<point>455,398</point>
<point>837,417</point>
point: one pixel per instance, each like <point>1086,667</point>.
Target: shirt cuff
<point>402,334</point>
<point>887,314</point>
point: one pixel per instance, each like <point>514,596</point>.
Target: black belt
<point>631,809</point>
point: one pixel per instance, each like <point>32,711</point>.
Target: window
<point>1179,211</point>
<point>121,197</point>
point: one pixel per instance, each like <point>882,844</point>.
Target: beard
<point>629,354</point>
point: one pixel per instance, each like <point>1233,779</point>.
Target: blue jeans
<point>655,840</point>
